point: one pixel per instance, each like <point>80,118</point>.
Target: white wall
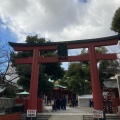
<point>83,102</point>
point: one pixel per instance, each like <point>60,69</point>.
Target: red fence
<point>15,116</point>
<point>111,104</point>
<point>115,104</point>
<point>25,103</point>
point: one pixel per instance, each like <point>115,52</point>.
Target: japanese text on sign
<point>97,114</point>
<point>31,113</point>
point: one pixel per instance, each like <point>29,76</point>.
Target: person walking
<point>58,104</point>
<point>52,103</point>
<point>55,105</point>
<point>73,103</point>
<point>64,103</point>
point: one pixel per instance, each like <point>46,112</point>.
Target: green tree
<point>101,49</point>
<point>46,70</point>
<point>78,75</point>
<point>115,25</point>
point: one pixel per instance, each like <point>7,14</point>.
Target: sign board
<point>31,113</point>
<point>98,114</point>
<point>62,50</point>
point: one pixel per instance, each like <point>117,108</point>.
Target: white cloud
<point>59,20</point>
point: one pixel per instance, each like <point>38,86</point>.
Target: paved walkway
<point>75,110</point>
<point>71,113</point>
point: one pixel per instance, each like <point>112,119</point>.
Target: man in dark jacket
<point>64,103</point>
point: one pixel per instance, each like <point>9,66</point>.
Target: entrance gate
<point>62,48</point>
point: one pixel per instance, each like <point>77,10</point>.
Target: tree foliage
<point>77,77</point>
<point>115,25</point>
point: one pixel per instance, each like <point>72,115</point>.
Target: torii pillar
<point>32,103</point>
<point>95,79</point>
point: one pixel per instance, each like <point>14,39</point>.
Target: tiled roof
<point>111,83</point>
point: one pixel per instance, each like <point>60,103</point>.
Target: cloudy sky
<point>57,20</point>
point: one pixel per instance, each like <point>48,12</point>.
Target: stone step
<point>39,117</point>
<point>110,117</point>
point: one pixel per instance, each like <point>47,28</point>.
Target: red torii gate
<point>91,56</point>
